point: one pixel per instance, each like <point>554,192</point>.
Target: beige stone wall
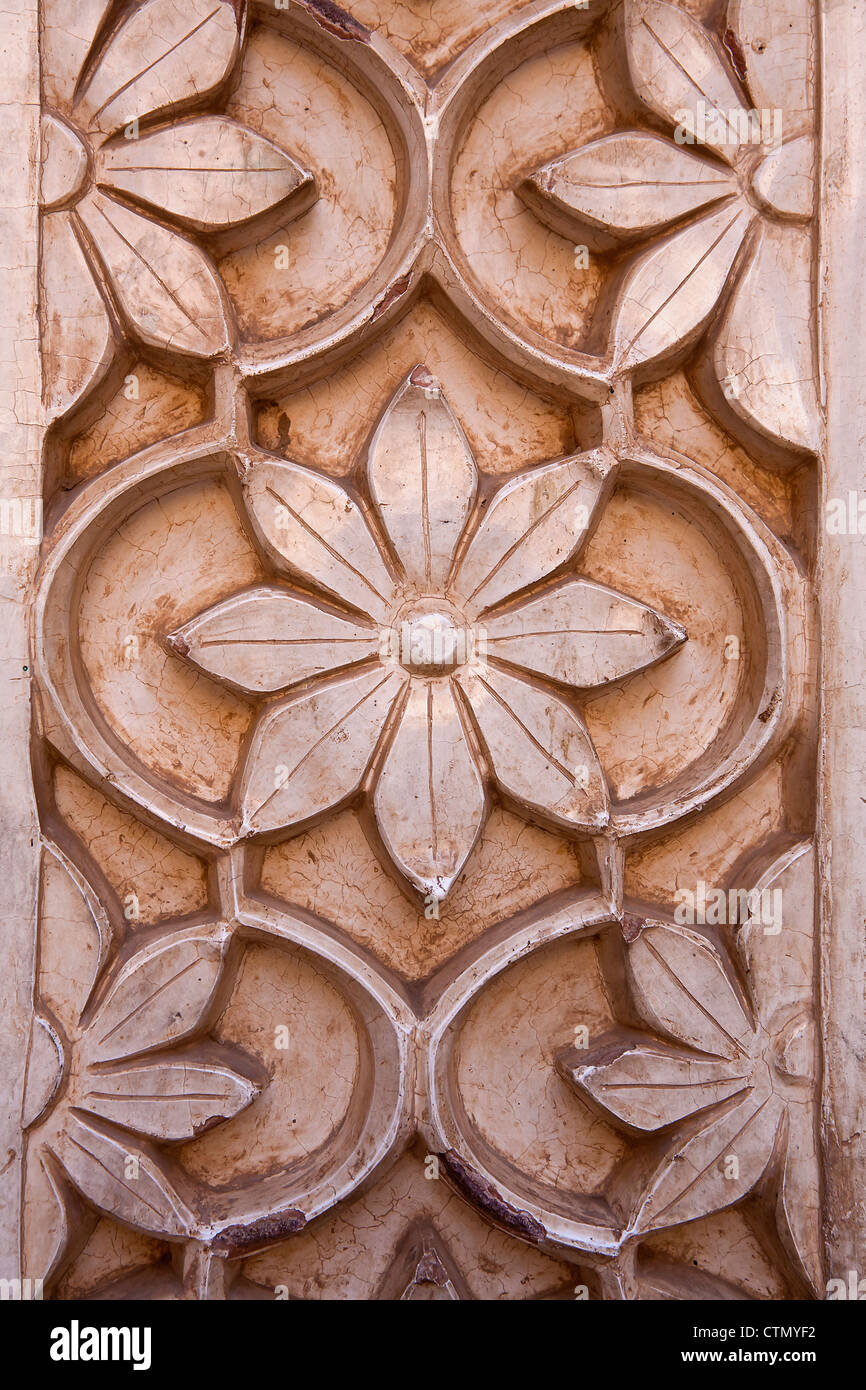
<point>432,705</point>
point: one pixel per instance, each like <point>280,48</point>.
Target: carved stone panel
<point>426,891</point>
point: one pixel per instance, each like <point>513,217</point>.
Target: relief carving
<point>425,627</point>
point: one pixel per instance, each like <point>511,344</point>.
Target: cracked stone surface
<point>428,657</point>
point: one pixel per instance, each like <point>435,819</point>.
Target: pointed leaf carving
<point>422,479</point>
<point>763,354</point>
<point>268,638</point>
<point>671,291</point>
<point>209,173</point>
<point>312,752</point>
<point>123,1179</point>
<point>682,988</point>
<point>77,337</point>
<point>799,1204</point>
<point>532,525</point>
<point>716,1167</point>
<point>540,751</point>
<point>623,185</point>
<point>164,54</point>
<point>777,40</point>
<point>676,69</point>
<point>582,634</point>
<point>160,995</point>
<point>776,942</point>
<point>172,1098</point>
<point>75,939</point>
<point>167,287</point>
<point>311,526</point>
<point>68,32</point>
<point>429,799</point>
<point>648,1085</point>
<point>52,1210</point>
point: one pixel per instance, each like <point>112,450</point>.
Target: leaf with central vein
<point>778,42</point>
<point>676,69</point>
<point>422,479</point>
<point>167,287</point>
<point>101,1168</point>
<point>311,752</point>
<point>429,800</point>
<point>313,528</point>
<point>681,987</point>
<point>583,634</point>
<point>209,172</point>
<point>532,524</point>
<point>648,1085</point>
<point>160,996</point>
<point>166,52</point>
<point>670,293</point>
<point>172,1098</point>
<point>267,638</point>
<point>623,185</point>
<point>68,32</point>
<point>716,1167</point>
<point>540,751</point>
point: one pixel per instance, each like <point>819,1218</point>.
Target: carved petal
<point>785,179</point>
<point>777,41</point>
<point>422,479</point>
<point>532,525</point>
<point>699,1177</point>
<point>313,528</point>
<point>670,293</point>
<point>777,941</point>
<point>583,634</point>
<point>429,800</point>
<point>799,1208</point>
<point>44,1069</point>
<point>165,53</point>
<point>98,1164</point>
<point>74,941</point>
<point>76,328</point>
<point>626,184</point>
<point>675,69</point>
<point>174,1098</point>
<point>648,1085</point>
<point>50,1212</point>
<point>209,173</point>
<point>67,34</point>
<point>167,287</point>
<point>64,163</point>
<point>312,752</point>
<point>540,751</point>
<point>763,355</point>
<point>268,638</point>
<point>682,988</point>
<point>161,994</point>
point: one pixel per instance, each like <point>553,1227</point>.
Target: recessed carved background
<point>425,618</point>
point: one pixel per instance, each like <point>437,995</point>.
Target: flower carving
<point>118,181</point>
<point>735,185</point>
<point>451,658</point>
<point>112,1070</point>
<point>736,1089</point>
